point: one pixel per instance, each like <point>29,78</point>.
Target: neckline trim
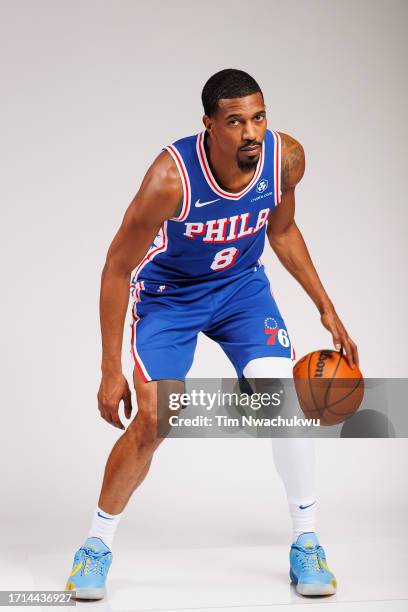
<point>210,177</point>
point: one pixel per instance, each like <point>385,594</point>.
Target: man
<point>194,233</point>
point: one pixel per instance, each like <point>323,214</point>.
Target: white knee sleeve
<point>269,367</point>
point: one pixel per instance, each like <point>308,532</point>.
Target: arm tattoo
<point>292,161</point>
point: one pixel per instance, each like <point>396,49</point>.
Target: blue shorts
<point>239,313</point>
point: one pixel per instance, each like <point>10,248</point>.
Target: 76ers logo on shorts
<point>275,333</point>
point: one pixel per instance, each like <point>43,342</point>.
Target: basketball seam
<point>331,380</point>
<point>311,389</point>
<point>329,406</point>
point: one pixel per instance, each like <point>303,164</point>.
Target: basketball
<point>327,388</point>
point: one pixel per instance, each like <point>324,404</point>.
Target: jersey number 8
<point>224,259</point>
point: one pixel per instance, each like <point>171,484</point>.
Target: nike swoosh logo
<point>308,506</point>
<point>198,203</point>
<point>108,518</point>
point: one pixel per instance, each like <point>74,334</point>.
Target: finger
<point>100,404</point>
<point>127,402</point>
<point>105,417</point>
<point>118,425</point>
<point>349,353</point>
<point>102,409</point>
<point>355,353</point>
<point>336,340</point>
<point>115,420</point>
<point>111,413</point>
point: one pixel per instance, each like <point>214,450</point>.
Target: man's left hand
<point>341,338</point>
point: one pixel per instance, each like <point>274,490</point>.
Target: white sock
<point>104,526</point>
<point>303,514</point>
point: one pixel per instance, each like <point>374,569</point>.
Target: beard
<point>248,165</point>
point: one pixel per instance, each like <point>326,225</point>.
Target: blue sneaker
<point>91,565</point>
<point>308,567</point>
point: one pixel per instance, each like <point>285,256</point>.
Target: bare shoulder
<point>163,175</point>
<point>292,161</point>
<point>161,187</point>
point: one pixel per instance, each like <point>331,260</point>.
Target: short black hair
<point>228,83</point>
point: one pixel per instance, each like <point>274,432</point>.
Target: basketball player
<point>194,234</point>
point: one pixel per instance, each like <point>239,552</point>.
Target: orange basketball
<point>327,388</point>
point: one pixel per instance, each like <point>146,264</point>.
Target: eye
<point>259,117</point>
<point>233,122</point>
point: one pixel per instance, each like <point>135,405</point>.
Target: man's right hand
<point>113,389</point>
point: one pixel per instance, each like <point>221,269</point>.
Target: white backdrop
<point>91,92</point>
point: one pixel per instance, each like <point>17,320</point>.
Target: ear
<point>207,123</point>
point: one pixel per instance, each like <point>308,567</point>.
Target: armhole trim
<point>185,181</point>
<point>277,166</point>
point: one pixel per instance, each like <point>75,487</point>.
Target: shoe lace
<point>309,559</point>
<point>94,561</point>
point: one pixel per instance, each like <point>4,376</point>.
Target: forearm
<point>113,305</point>
<point>292,252</point>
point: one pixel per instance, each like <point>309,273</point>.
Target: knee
<point>144,430</point>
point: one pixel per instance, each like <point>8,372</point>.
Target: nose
<point>249,132</point>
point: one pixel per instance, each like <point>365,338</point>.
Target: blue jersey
<point>218,234</point>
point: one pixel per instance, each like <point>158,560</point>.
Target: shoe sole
<point>89,594</point>
<point>313,589</point>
